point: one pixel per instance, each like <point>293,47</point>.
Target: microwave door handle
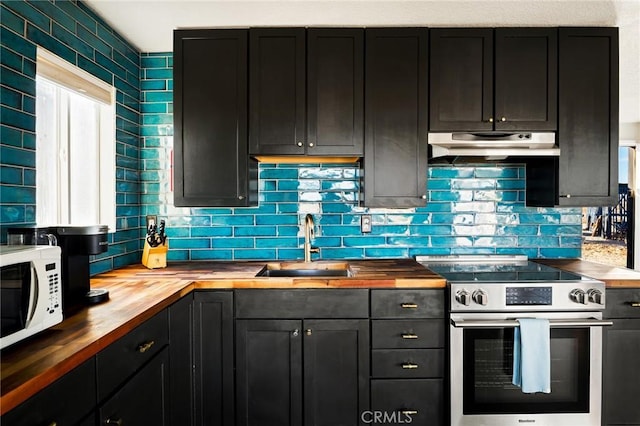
<point>33,295</point>
<point>591,322</point>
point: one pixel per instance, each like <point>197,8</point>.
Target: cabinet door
<point>335,86</point>
<point>621,373</point>
<point>213,353</point>
<point>143,399</point>
<point>526,78</point>
<point>181,361</point>
<point>461,76</point>
<point>277,91</point>
<point>336,372</point>
<point>588,116</point>
<point>395,162</point>
<point>211,165</point>
<point>268,372</point>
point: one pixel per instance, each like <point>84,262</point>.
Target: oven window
<point>488,371</point>
<point>15,282</point>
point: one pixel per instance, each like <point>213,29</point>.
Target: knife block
<point>155,257</point>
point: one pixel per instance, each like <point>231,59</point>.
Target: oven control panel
<point>528,296</point>
<point>588,295</point>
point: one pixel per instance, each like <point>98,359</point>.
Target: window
<point>75,146</point>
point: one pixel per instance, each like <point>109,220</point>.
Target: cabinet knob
<point>117,422</point>
<point>409,366</point>
<point>423,196</point>
<point>296,332</point>
<point>409,336</point>
<point>300,144</point>
<point>409,306</point>
<point>146,346</point>
<point>503,119</point>
<point>311,144</point>
<point>490,119</point>
<point>308,332</point>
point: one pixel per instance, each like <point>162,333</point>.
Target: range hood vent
<point>493,145</point>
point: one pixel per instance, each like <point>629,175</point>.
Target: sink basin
<point>305,269</point>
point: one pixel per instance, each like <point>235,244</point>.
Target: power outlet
<point>365,223</point>
<point>151,220</point>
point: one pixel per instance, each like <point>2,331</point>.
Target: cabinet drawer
<point>622,303</point>
<point>125,356</point>
<point>65,401</point>
<point>407,363</point>
<point>143,399</point>
<point>417,401</point>
<point>287,304</point>
<point>407,303</point>
<point>407,334</point>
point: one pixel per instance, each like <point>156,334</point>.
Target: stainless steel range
<point>488,294</point>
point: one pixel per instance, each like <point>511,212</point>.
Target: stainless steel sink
<point>305,269</point>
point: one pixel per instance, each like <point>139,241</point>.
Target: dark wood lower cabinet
<point>336,371</point>
<point>407,401</point>
<point>143,399</point>
<point>213,358</point>
<point>279,361</point>
<point>621,371</point>
<point>65,402</point>
<point>268,372</point>
<point>181,410</point>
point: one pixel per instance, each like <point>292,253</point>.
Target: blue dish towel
<point>532,355</point>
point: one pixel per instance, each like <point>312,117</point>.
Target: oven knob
<point>595,296</point>
<point>578,296</point>
<point>480,297</point>
<point>462,296</point>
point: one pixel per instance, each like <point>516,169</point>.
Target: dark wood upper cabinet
<point>484,79</point>
<point>306,91</point>
<point>211,162</point>
<point>335,86</point>
<point>586,173</point>
<point>588,117</point>
<point>277,91</point>
<point>395,162</point>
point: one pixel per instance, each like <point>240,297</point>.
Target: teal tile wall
<point>72,31</point>
<point>471,209</point>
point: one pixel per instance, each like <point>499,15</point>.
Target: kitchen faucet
<point>308,235</point>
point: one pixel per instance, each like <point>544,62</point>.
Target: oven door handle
<point>513,323</point>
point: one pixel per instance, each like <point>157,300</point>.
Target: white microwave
<point>30,291</point>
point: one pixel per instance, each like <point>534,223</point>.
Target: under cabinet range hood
<point>493,145</point>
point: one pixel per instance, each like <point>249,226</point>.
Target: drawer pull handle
<point>308,332</point>
<point>635,304</point>
<point>117,422</point>
<point>146,346</point>
<point>409,306</point>
<point>409,412</point>
<point>409,336</point>
<point>409,366</point>
<point>53,424</point>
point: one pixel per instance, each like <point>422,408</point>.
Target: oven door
<point>482,371</point>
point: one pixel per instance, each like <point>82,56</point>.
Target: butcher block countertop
<point>138,293</point>
<point>613,276</point>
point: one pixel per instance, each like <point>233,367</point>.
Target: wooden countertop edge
<point>311,283</point>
